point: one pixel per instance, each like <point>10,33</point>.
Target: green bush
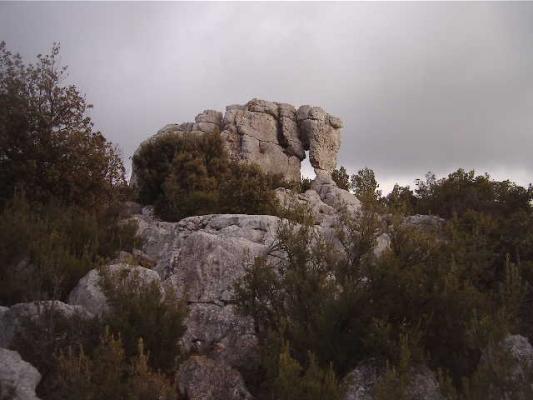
<point>141,311</point>
<point>137,340</point>
<point>106,373</point>
<point>186,175</point>
<point>46,248</point>
<point>40,340</point>
<point>345,305</point>
<point>48,146</point>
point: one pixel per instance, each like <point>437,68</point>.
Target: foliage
<point>463,191</point>
<point>192,175</point>
<point>39,341</point>
<point>365,186</point>
<point>499,376</point>
<point>345,305</point>
<point>141,326</point>
<point>305,184</point>
<point>140,310</point>
<point>341,178</point>
<point>292,382</point>
<point>47,143</point>
<point>401,200</point>
<point>46,248</point>
<point>105,373</point>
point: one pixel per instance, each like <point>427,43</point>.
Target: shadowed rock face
<point>274,136</point>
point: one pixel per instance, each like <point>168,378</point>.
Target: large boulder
<point>512,359</point>
<point>321,133</point>
<point>12,320</point>
<point>89,291</point>
<point>201,378</point>
<point>275,136</point>
<point>201,258</point>
<point>18,379</point>
<point>360,383</point>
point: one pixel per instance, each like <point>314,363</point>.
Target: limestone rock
<point>383,243</point>
<point>221,334</point>
<point>519,348</point>
<point>203,256</point>
<point>339,199</point>
<point>360,383</point>
<point>428,223</point>
<point>200,378</point>
<point>323,214</point>
<point>11,321</point>
<point>18,379</point>
<point>322,134</point>
<point>88,292</point>
<point>275,136</point>
<point>516,361</point>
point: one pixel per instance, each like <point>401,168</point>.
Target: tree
<point>365,186</point>
<point>401,200</point>
<point>341,178</point>
<point>48,145</point>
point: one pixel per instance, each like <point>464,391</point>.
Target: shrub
<point>341,178</point>
<point>47,143</point>
<point>340,302</point>
<point>186,175</point>
<point>141,311</point>
<point>137,341</point>
<point>40,340</point>
<point>105,373</point>
<point>46,248</point>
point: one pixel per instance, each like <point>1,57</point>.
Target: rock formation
<point>18,379</point>
<point>360,383</point>
<point>273,135</point>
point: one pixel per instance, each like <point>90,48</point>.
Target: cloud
<point>420,86</point>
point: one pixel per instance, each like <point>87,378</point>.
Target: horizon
<point>419,86</point>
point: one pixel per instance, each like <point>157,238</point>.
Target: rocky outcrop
<point>275,136</point>
<point>18,379</point>
<point>89,294</point>
<point>12,320</point>
<point>513,360</point>
<point>426,223</point>
<point>200,378</point>
<point>201,258</point>
<point>361,382</point>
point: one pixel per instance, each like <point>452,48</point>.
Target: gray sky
<point>419,86</point>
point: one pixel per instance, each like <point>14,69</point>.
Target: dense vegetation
<point>193,175</point>
<point>443,296</point>
<point>130,352</point>
<point>61,193</point>
<point>439,297</point>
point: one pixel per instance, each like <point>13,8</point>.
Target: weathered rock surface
<point>360,383</point>
<point>220,333</point>
<point>518,356</point>
<point>273,135</point>
<point>18,379</point>
<point>428,223</point>
<point>88,292</point>
<point>204,255</point>
<point>12,320</point>
<point>201,258</point>
<point>200,378</point>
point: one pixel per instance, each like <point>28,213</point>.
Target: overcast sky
<point>419,86</point>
